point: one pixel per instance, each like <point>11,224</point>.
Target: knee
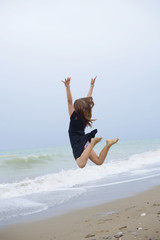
<point>99,163</point>
<point>80,164</point>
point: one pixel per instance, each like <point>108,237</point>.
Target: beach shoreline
<point>137,217</point>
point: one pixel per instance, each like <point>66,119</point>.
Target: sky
<point>44,41</point>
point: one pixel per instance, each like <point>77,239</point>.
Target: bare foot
<point>95,140</point>
<point>110,142</point>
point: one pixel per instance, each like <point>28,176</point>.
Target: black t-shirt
<point>77,136</point>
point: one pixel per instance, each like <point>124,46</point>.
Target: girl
<point>80,117</point>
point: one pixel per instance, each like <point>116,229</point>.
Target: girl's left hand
<point>93,80</point>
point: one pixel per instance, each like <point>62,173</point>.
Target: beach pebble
<point>139,228</point>
<point>118,235</point>
<point>134,234</point>
<point>89,235</point>
<point>143,214</point>
<point>108,237</point>
<point>158,212</point>
<point>122,227</point>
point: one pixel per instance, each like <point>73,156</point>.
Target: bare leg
<point>82,160</point>
<point>100,159</point>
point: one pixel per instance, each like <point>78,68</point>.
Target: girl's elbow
<point>69,101</point>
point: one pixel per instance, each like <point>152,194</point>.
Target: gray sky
<point>42,42</point>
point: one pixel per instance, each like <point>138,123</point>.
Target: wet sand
<point>136,217</point>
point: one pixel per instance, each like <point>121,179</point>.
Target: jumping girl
<point>80,117</point>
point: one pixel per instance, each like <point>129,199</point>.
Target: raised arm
<point>91,87</point>
<point>69,95</point>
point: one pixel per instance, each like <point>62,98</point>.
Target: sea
<point>47,180</point>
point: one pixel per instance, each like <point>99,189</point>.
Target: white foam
<point>136,164</point>
<point>122,182</point>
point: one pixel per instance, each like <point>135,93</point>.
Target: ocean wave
<point>30,160</point>
<point>67,179</point>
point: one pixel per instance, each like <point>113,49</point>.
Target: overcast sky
<point>44,41</point>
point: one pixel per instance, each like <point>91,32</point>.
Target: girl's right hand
<point>67,81</point>
<point>93,80</point>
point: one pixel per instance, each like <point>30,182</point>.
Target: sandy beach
<point>136,217</point>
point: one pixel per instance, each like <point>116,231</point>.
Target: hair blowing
<point>83,108</point>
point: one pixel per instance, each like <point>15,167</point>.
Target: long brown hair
<point>83,108</point>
